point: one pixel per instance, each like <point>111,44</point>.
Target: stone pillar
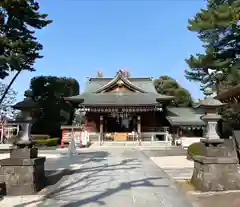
<point>166,136</point>
<point>152,138</point>
<point>139,124</point>
<point>211,125</point>
<point>139,129</point>
<point>101,130</point>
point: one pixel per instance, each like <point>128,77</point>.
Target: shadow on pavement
<point>77,191</point>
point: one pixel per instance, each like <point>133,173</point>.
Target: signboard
<point>77,136</point>
<point>67,136</point>
<point>84,139</point>
<point>81,138</point>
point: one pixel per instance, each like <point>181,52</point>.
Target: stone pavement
<point>111,178</point>
<point>177,167</point>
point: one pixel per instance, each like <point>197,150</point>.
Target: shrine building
<point>115,108</point>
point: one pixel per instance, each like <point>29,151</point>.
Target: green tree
<point>48,92</point>
<point>168,86</point>
<point>217,28</point>
<point>19,47</point>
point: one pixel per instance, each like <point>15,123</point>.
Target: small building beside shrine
<point>119,107</point>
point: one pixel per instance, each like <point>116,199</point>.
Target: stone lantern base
<point>23,173</point>
<point>217,169</point>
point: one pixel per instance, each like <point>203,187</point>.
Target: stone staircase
<point>5,147</point>
<point>157,144</point>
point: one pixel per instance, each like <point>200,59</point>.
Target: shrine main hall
<point>117,107</point>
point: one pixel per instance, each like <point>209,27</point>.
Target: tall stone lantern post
<point>27,107</point>
<point>211,116</point>
<point>23,173</point>
<point>216,169</point>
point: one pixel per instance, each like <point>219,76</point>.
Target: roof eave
<point>167,98</point>
<point>118,105</point>
<point>188,124</point>
<point>74,99</point>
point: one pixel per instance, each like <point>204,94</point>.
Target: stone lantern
<point>211,116</point>
<point>27,107</point>
<point>216,169</point>
<point>23,173</point>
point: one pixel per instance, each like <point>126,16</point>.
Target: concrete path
<point>111,178</point>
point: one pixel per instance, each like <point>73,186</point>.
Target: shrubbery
<point>197,148</point>
<point>47,142</point>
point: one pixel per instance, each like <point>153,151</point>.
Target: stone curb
<point>211,193</point>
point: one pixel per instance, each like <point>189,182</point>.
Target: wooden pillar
<point>101,130</point>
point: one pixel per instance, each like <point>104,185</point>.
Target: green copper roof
<point>95,92</point>
<point>184,116</point>
<point>93,84</point>
<point>119,99</point>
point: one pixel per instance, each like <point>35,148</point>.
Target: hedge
<point>197,148</point>
<point>47,142</point>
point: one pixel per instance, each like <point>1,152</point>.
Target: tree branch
<point>9,86</point>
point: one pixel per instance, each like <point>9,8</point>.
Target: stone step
<point>5,147</point>
<point>134,144</point>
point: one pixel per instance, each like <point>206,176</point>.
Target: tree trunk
<point>9,86</point>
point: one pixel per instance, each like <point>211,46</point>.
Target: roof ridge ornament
<point>120,79</point>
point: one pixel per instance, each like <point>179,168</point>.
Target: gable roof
<point>179,116</point>
<point>119,99</point>
<point>142,84</point>
<point>120,77</point>
<point>146,93</point>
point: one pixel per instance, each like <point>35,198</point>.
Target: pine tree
<point>19,48</point>
<point>215,27</point>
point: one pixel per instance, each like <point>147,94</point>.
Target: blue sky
<point>149,38</point>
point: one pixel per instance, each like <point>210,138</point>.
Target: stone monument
<point>217,168</point>
<point>23,173</point>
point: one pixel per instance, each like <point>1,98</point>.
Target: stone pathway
<point>177,167</point>
<point>111,178</point>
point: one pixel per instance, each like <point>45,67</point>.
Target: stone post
<point>217,167</point>
<point>23,173</point>
<point>101,131</point>
<point>139,124</point>
<point>139,130</point>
